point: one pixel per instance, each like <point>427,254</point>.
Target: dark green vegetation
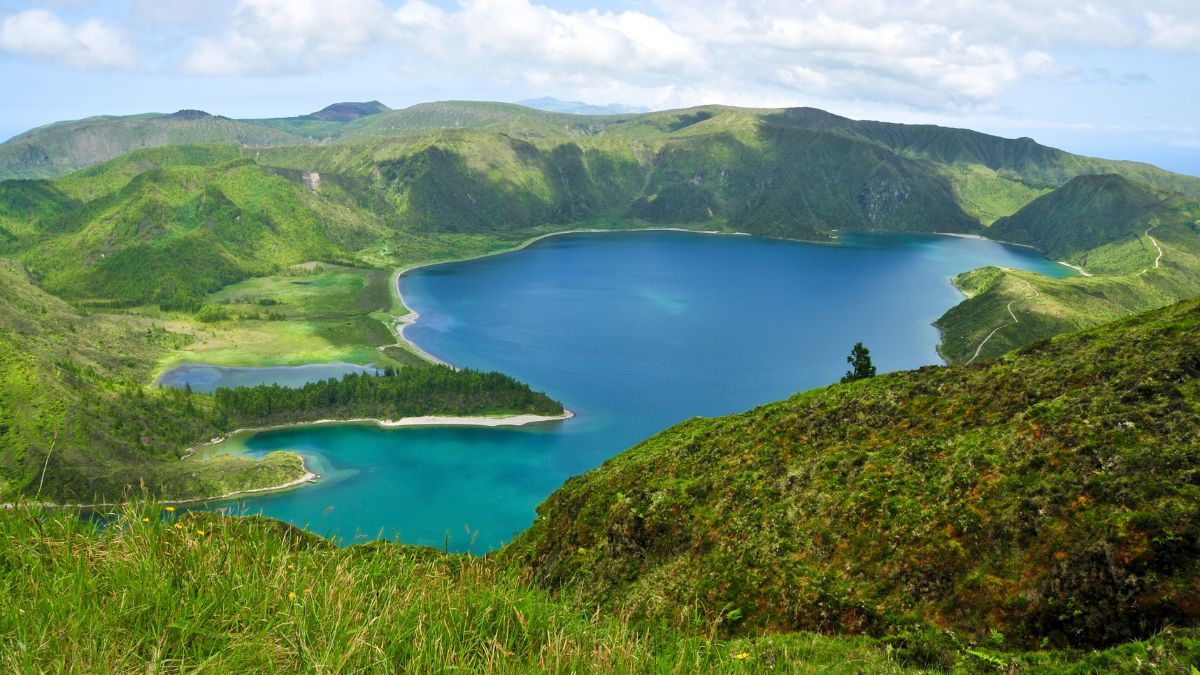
<point>1089,212</point>
<point>860,364</point>
<point>78,421</point>
<point>173,234</point>
<point>1006,517</point>
<point>409,392</point>
<point>1050,497</point>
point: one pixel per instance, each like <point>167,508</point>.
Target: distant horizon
<point>1110,78</point>
<point>1183,160</point>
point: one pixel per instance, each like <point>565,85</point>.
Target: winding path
<point>1154,241</point>
<point>979,349</point>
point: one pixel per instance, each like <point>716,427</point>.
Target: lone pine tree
<point>860,364</point>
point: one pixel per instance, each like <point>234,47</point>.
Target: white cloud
<point>270,36</point>
<point>944,55</point>
<point>1168,32</point>
<point>91,44</point>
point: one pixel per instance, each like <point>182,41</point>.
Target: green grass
<point>171,592</point>
<point>987,195</point>
<point>317,314</point>
<point>1072,303</point>
<point>1048,496</point>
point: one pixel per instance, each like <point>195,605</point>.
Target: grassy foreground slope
<point>205,593</point>
<point>1005,517</point>
<point>1051,496</point>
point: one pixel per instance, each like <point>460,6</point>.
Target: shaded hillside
<point>1086,213</point>
<point>1022,159</point>
<point>28,206</point>
<point>722,171</point>
<point>1005,174</point>
<point>1051,494</point>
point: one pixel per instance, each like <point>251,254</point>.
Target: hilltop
<point>60,148</point>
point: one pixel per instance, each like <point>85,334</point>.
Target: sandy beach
<point>980,237</point>
<point>1074,267</point>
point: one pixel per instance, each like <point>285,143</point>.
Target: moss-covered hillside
<point>165,592</point>
<point>1051,496</point>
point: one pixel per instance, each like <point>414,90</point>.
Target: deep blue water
<point>633,332</point>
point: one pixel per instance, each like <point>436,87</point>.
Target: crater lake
<point>633,332</point>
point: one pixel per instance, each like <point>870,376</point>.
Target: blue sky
<point>1112,78</point>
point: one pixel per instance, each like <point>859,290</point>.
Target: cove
<point>633,332</point>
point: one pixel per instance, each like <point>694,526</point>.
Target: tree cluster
<point>408,392</point>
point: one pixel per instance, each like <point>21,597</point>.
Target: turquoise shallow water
<point>633,332</point>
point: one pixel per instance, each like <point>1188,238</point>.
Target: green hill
<point>57,149</point>
<point>1086,213</point>
<point>1050,495</point>
<point>171,235</point>
<point>76,421</point>
<point>1139,247</point>
<point>1000,170</point>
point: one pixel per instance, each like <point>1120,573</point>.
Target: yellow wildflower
<point>200,532</point>
<point>178,526</point>
<point>145,520</point>
<point>170,509</point>
<point>741,657</point>
<point>291,595</point>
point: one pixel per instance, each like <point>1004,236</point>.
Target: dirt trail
<point>979,349</point>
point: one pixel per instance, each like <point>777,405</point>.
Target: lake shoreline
<point>403,321</point>
<point>309,475</point>
<point>521,420</point>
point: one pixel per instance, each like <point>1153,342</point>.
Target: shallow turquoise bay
<point>633,332</point>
